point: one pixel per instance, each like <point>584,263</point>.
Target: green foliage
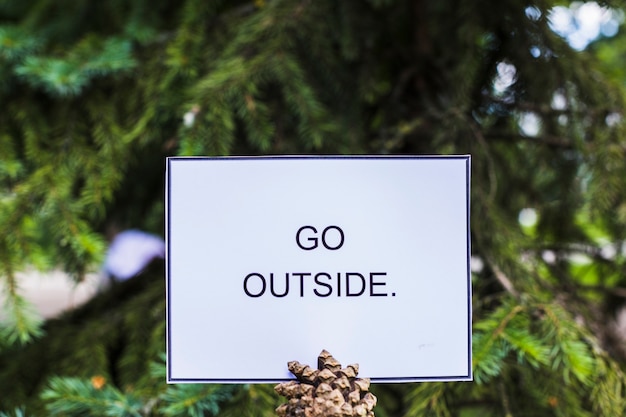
<point>69,75</point>
<point>75,397</point>
<point>16,43</point>
<point>536,335</point>
<point>96,94</point>
<point>80,397</point>
<point>195,400</point>
<point>22,323</point>
<point>17,413</point>
<point>429,400</point>
<point>118,335</point>
<point>71,396</point>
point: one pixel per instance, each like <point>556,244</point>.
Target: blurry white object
<point>130,252</point>
<point>52,292</point>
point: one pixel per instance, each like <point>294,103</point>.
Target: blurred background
<point>95,96</point>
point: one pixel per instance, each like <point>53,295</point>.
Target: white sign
<point>274,259</point>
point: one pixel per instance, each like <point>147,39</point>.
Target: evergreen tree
<point>95,94</point>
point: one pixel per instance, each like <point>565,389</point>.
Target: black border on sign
<point>467,377</point>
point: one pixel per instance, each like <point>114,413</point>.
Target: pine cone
<point>329,391</point>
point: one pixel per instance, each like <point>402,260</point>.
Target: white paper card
<point>273,259</point>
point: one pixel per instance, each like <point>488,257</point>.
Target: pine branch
<point>18,412</point>
<point>23,323</point>
<point>428,399</point>
<point>69,75</point>
<point>76,397</point>
<point>195,400</point>
<point>570,351</point>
